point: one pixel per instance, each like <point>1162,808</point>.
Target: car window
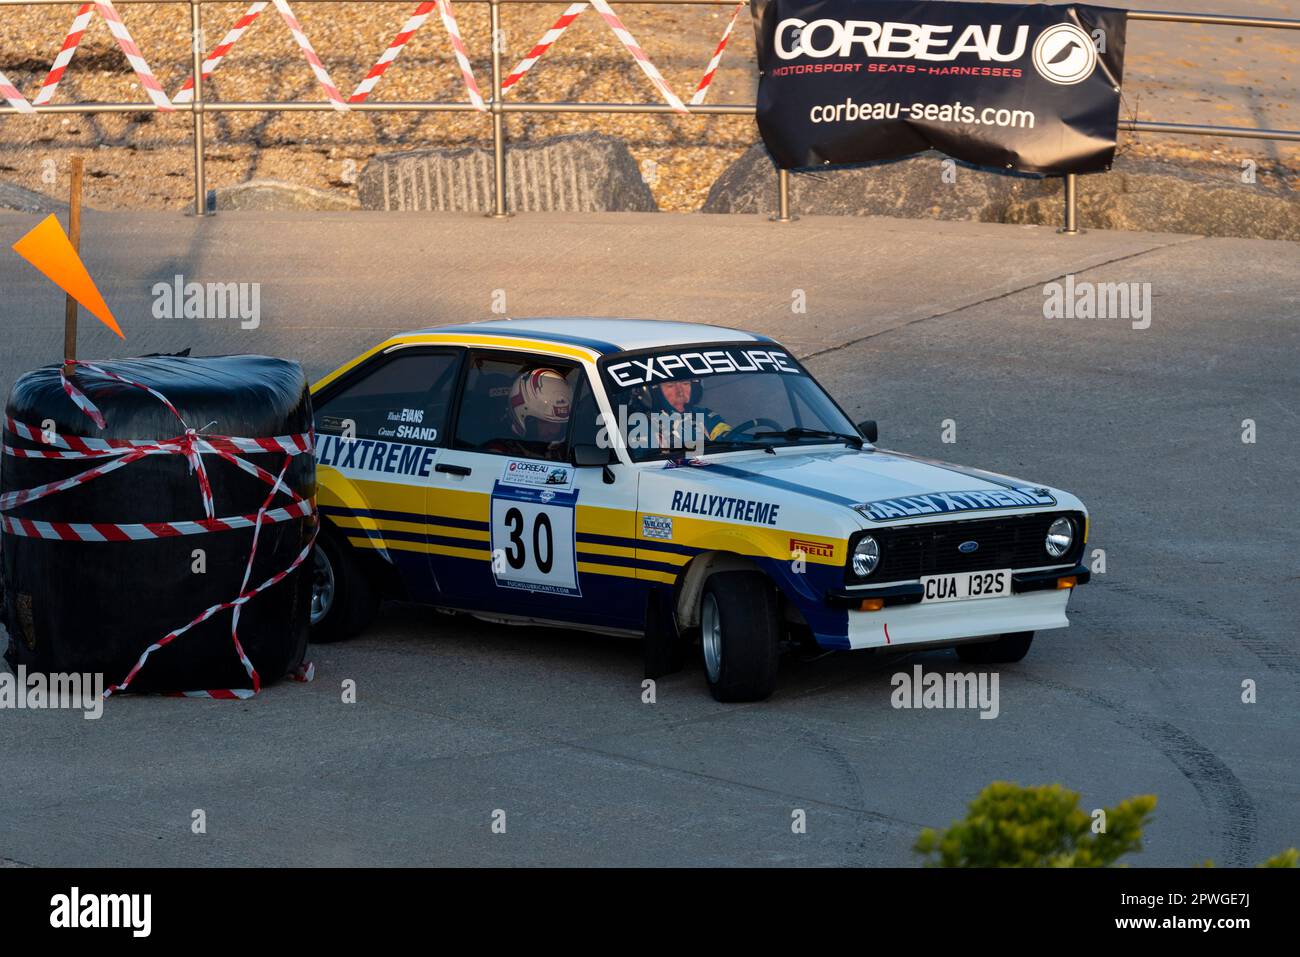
<point>588,423</point>
<point>404,398</point>
<point>693,400</point>
<point>517,405</point>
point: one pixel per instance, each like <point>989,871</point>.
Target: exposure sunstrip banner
<point>1033,88</point>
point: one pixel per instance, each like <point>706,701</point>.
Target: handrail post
<point>499,210</point>
<point>200,184</point>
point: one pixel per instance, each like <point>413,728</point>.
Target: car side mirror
<point>867,429</point>
<point>586,455</point>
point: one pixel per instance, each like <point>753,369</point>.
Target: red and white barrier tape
<point>647,67</point>
<point>462,55</point>
<point>193,446</point>
<point>308,51</point>
<point>541,46</point>
<point>237,604</point>
<point>144,73</point>
<point>416,20</point>
<point>138,63</point>
<point>706,81</point>
<point>70,43</point>
<point>186,94</point>
<point>13,97</point>
<point>305,672</point>
<point>106,532</point>
<point>83,448</point>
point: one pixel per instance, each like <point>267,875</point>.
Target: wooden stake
<point>74,235</point>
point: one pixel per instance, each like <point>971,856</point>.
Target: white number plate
<point>994,584</point>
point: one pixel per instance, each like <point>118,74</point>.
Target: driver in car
<point>676,399</point>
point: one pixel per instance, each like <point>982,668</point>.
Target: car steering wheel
<point>753,423</point>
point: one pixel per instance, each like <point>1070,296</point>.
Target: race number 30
<point>532,542</point>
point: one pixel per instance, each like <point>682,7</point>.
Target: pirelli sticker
<point>935,503</point>
<point>809,548</point>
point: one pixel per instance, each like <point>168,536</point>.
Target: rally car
<point>682,483</point>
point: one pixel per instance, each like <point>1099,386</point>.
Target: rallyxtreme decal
<point>725,506</point>
<point>935,503</point>
<point>372,455</point>
<point>683,365</point>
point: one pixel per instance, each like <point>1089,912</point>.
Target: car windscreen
<point>684,401</point>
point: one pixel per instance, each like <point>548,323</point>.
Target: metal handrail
<point>497,108</point>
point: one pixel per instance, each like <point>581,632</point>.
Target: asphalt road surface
<point>910,323</point>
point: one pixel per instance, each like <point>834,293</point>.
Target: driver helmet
<point>543,396</point>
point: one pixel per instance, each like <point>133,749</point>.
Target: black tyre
<point>739,634</point>
<point>1004,649</point>
<point>343,598</point>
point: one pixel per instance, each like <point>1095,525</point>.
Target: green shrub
<point>1012,826</point>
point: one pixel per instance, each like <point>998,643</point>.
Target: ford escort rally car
<point>683,483</point>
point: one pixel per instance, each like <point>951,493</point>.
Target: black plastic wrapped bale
<point>77,600</point>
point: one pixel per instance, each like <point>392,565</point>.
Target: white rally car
<point>680,482</point>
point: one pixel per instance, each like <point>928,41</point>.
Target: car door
<point>511,519</point>
<point>381,428</point>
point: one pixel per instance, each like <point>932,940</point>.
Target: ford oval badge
<point>967,547</point>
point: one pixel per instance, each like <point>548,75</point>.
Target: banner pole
<point>1071,227</point>
<point>74,236</point>
<point>782,197</point>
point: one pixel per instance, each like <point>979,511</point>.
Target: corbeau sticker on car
<point>528,474</point>
<point>933,503</point>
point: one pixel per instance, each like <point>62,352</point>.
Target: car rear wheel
<point>1005,649</point>
<point>343,599</point>
<point>739,634</point>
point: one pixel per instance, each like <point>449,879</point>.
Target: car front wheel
<point>739,635</point>
<point>343,599</point>
<point>1005,649</point>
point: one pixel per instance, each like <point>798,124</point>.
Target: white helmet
<point>541,394</point>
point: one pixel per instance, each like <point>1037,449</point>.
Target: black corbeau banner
<point>1033,88</point>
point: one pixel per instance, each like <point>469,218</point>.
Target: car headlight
<point>1060,536</point>
<point>866,556</point>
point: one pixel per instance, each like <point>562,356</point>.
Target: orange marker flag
<point>48,249</point>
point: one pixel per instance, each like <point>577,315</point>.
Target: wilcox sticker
<point>657,526</point>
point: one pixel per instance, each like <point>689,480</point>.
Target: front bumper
<point>1037,603</point>
<point>951,621</point>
